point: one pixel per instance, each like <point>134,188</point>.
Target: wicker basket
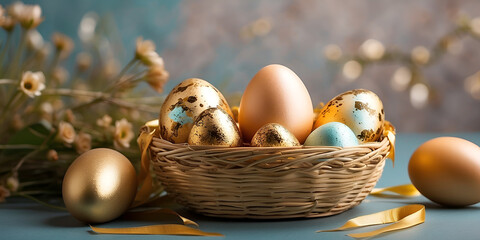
<point>268,183</point>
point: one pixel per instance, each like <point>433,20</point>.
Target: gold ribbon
<point>389,133</point>
<point>402,217</point>
<point>144,177</point>
<point>164,229</point>
<point>407,190</point>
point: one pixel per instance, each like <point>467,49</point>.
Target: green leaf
<point>34,134</point>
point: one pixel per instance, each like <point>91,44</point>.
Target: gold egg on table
<point>446,170</point>
<point>184,103</point>
<point>215,127</point>
<point>99,186</point>
<point>274,135</point>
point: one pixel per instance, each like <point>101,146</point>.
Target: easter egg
<point>276,95</point>
<point>215,127</point>
<point>184,103</point>
<point>361,110</point>
<point>274,135</point>
<point>446,170</point>
<point>99,186</point>
<point>332,134</point>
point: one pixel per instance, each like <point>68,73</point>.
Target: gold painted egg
<point>215,127</point>
<point>274,135</point>
<point>99,186</point>
<point>361,110</point>
<point>184,103</point>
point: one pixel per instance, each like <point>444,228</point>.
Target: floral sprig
<point>49,115</point>
<point>409,75</point>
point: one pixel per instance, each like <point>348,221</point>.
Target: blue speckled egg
<point>184,103</point>
<point>332,134</point>
<point>359,109</point>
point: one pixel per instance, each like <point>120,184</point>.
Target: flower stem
<point>7,81</point>
<point>4,52</point>
<point>12,99</point>
<point>18,54</point>
<point>129,65</point>
<point>40,201</point>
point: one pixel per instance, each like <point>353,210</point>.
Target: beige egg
<point>274,135</point>
<point>99,186</point>
<point>215,127</point>
<point>361,110</point>
<point>184,103</point>
<point>276,95</point>
<point>446,170</point>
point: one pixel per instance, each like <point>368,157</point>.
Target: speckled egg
<point>361,110</point>
<point>332,134</point>
<point>214,127</point>
<point>184,103</point>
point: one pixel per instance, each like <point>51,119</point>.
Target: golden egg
<point>184,103</point>
<point>215,127</point>
<point>446,170</point>
<point>274,135</point>
<point>99,186</point>
<point>361,110</point>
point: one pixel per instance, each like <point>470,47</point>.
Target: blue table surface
<point>24,219</point>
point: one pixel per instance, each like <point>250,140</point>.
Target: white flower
<point>66,132</point>
<point>63,44</point>
<point>35,40</point>
<point>29,16</point>
<point>84,60</point>
<point>7,23</point>
<point>145,52</point>
<point>157,77</point>
<point>83,142</point>
<point>123,134</point>
<point>105,121</point>
<point>16,9</point>
<point>32,83</point>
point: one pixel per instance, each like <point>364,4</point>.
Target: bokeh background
<point>227,42</point>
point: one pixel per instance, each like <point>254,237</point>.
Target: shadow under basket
<point>268,183</point>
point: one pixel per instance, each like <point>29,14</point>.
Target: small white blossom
<point>123,134</point>
<point>32,83</point>
<point>83,142</point>
<point>66,132</point>
<point>157,77</point>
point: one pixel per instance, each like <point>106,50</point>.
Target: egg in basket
<point>274,156</point>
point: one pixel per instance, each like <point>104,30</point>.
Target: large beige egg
<point>184,103</point>
<point>446,170</point>
<point>361,110</point>
<point>276,95</point>
<point>214,127</point>
<point>99,186</point>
